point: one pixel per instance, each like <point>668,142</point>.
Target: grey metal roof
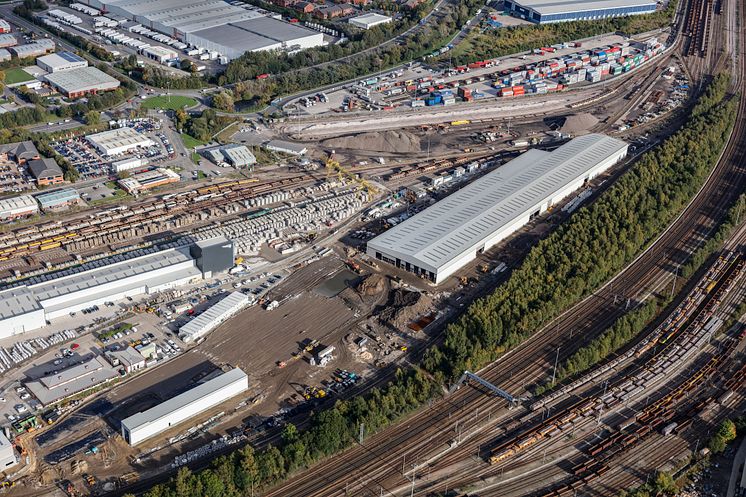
<point>236,38</point>
<point>238,155</point>
<point>82,79</point>
<point>8,206</point>
<point>51,388</point>
<point>562,6</point>
<point>447,229</point>
<point>17,301</point>
<point>62,59</point>
<point>109,273</point>
<point>57,197</point>
<point>183,400</point>
<point>273,29</point>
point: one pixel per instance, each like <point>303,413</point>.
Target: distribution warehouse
<point>544,11</point>
<point>29,306</point>
<point>214,25</point>
<point>444,237</point>
<point>147,424</point>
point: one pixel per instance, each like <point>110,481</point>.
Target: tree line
<point>585,251</point>
<point>595,243</point>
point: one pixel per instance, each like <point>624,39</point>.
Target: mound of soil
<point>391,141</point>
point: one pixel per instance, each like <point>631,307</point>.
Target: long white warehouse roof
<point>213,317</point>
<point>452,226</point>
<point>193,396</point>
<point>562,6</point>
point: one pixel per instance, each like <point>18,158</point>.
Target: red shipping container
<point>516,88</point>
<point>411,87</point>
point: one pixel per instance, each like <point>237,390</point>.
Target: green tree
<point>224,101</point>
<point>92,118</point>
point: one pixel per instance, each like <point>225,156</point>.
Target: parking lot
<point>92,165</point>
<point>14,178</point>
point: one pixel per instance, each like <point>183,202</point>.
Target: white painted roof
<point>183,400</point>
<point>448,228</point>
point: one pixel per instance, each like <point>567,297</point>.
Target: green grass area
<point>13,76</point>
<point>190,141</point>
<point>196,158</point>
<point>172,102</point>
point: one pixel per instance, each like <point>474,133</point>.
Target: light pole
<point>556,360</point>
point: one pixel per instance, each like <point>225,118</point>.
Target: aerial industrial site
<point>416,247</point>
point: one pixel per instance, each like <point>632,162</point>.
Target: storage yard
<point>158,315</point>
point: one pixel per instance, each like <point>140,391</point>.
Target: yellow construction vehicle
<point>483,268</point>
<point>238,260</point>
<point>334,167</point>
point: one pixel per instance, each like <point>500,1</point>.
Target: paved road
<point>735,474</point>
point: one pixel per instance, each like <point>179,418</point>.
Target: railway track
<point>369,468</point>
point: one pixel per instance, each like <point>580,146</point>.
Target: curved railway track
<point>377,464</point>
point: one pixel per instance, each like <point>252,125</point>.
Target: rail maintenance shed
<point>438,241</point>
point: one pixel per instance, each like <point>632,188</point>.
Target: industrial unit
<point>253,35</point>
<point>286,147</point>
<point>81,81</point>
<point>164,416</point>
<point>148,179</point>
<point>214,25</point>
<point>213,317</point>
<point>7,40</point>
<point>29,306</point>
<point>59,199</point>
<point>234,154</point>
<point>367,21</point>
<point>61,61</point>
<point>35,49</point>
<point>438,241</point>
<point>543,12</point>
<point>15,207</point>
<point>62,384</point>
<point>7,453</point>
<point>119,141</point>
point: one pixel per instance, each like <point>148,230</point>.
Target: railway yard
<point>95,301</point>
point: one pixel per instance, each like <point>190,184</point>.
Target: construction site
<point>276,292</point>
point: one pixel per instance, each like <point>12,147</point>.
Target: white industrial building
<point>254,35</point>
<point>118,141</point>
<point>213,317</point>
<point>438,241</point>
<point>147,424</point>
<point>214,25</point>
<point>29,306</point>
<point>160,54</point>
<point>14,207</point>
<point>61,61</point>
<point>81,81</point>
<point>286,147</point>
<point>128,164</point>
<point>367,21</point>
<point>543,11</point>
<point>8,457</point>
<point>35,49</point>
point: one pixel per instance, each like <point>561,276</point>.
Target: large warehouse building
<point>543,11</point>
<point>214,25</point>
<point>81,81</point>
<point>438,241</point>
<point>119,141</point>
<point>29,306</point>
<point>147,424</point>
